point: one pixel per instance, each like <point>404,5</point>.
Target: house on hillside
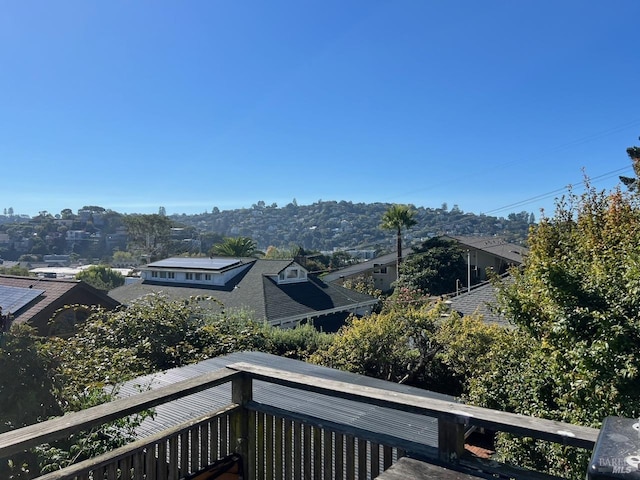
<point>50,306</point>
<point>280,292</point>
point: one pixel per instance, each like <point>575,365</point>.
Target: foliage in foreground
<point>575,358</point>
<point>412,341</point>
<point>155,333</point>
<point>27,386</point>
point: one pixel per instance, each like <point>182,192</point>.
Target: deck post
<point>241,394</point>
<point>615,455</point>
<point>450,440</point>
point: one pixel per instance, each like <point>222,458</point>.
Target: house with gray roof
<point>280,292</point>
<point>482,254</point>
<point>382,269</point>
<point>489,253</point>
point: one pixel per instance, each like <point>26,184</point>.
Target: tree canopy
<point>148,235</point>
<point>236,247</point>
<point>434,268</point>
<point>101,277</point>
<point>575,302</point>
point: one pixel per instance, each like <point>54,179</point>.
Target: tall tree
<point>101,277</point>
<point>148,234</point>
<point>396,218</point>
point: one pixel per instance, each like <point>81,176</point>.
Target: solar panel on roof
<point>200,263</point>
<point>13,299</point>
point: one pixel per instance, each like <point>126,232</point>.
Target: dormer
<point>293,273</point>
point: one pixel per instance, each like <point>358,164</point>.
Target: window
<point>163,274</point>
<point>171,275</point>
<point>292,273</point>
<point>154,274</point>
<point>207,277</point>
<point>198,276</point>
<point>377,268</point>
<point>189,276</point>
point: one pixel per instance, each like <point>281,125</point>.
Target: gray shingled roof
<point>256,291</point>
<point>409,426</point>
<point>496,246</point>
<point>480,300</point>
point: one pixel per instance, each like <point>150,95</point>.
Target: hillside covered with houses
<point>95,233</point>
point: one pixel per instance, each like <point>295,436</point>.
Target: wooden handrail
<point>559,432</point>
<point>453,420</point>
<point>21,439</point>
<point>126,451</point>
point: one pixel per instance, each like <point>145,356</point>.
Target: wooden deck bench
<point>415,469</point>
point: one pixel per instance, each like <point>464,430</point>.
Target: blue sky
<point>495,106</point>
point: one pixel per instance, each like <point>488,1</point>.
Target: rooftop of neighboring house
<point>278,291</point>
<point>480,300</point>
<point>495,246</point>
<point>49,271</point>
<point>34,300</point>
<point>359,268</point>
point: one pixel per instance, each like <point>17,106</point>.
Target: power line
<point>561,147</point>
<point>555,193</point>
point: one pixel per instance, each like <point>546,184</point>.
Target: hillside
<point>328,225</point>
<point>96,233</point>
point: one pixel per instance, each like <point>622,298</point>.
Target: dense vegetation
<point>101,277</point>
<point>433,268</point>
<point>575,356</point>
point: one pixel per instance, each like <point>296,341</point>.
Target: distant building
<point>57,260</point>
<point>362,254</point>
<point>489,253</point>
<point>280,292</point>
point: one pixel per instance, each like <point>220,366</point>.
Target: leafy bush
<point>101,277</point>
<point>298,343</point>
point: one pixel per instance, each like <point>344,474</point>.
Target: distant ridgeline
<point>95,232</point>
<point>326,225</point>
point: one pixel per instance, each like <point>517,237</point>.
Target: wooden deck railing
<point>277,444</point>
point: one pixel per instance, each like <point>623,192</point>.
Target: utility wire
<point>555,193</point>
<point>565,146</point>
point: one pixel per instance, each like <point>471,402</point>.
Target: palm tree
<point>236,247</point>
<point>396,218</point>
